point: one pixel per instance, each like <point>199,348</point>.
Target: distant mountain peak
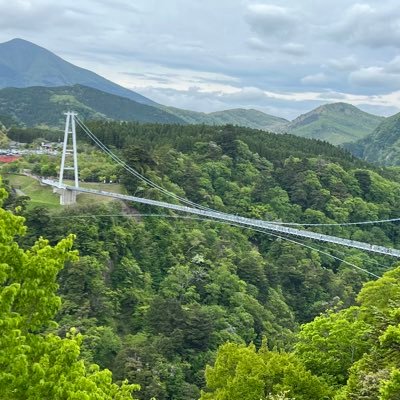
<point>338,104</point>
<point>336,123</point>
<point>25,64</point>
<point>337,107</point>
<point>18,40</point>
<point>17,45</point>
<point>250,118</point>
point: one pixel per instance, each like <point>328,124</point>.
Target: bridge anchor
<point>67,196</point>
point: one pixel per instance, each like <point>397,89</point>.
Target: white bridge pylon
<point>69,160</point>
<point>68,196</point>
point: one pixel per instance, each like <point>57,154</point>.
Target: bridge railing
<point>238,220</point>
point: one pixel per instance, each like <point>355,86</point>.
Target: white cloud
<point>258,53</point>
<point>370,76</point>
<point>348,63</point>
<point>372,26</point>
<point>295,49</point>
<point>385,76</point>
<point>286,105</point>
<point>315,79</point>
<point>257,44</point>
<point>394,66</point>
<point>271,20</point>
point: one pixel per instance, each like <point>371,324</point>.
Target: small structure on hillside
<point>8,158</point>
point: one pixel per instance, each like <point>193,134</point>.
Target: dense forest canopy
<point>183,138</point>
<point>156,297</point>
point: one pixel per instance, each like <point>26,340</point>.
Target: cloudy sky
<point>282,57</point>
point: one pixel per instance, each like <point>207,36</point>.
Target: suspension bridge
<point>68,193</point>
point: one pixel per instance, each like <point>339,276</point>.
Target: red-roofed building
<point>8,158</point>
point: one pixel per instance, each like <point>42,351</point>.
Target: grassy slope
<point>43,195</point>
<point>251,118</point>
<point>40,195</point>
<point>85,198</point>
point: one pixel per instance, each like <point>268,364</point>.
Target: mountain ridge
<point>25,64</point>
<point>382,146</point>
<point>250,118</point>
<point>336,123</point>
<point>44,106</point>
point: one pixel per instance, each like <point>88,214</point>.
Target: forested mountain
<point>275,147</point>
<point>382,146</point>
<point>24,64</point>
<point>238,116</point>
<point>336,123</point>
<point>45,106</point>
<point>155,296</point>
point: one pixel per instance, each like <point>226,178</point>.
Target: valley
<point>167,292</point>
<point>111,299</point>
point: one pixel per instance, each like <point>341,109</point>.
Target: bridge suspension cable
<point>132,171</point>
<point>315,249</point>
<point>242,221</point>
<point>230,224</point>
<point>371,222</point>
<point>196,209</point>
<point>135,173</point>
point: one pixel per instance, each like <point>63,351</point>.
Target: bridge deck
<point>235,219</point>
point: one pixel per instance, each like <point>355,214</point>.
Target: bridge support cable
<point>235,219</point>
<point>190,217</point>
<point>68,196</point>
<point>311,248</point>
<point>135,173</point>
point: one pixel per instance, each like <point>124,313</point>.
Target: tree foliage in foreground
<point>351,354</point>
<point>242,373</point>
<point>36,364</point>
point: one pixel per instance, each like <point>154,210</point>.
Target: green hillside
<point>336,123</point>
<point>382,146</point>
<point>44,106</point>
<point>242,117</point>
<point>274,147</point>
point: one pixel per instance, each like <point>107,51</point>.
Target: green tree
<point>376,374</point>
<point>36,364</point>
<point>4,140</point>
<point>242,373</point>
<point>330,344</point>
<point>390,390</point>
